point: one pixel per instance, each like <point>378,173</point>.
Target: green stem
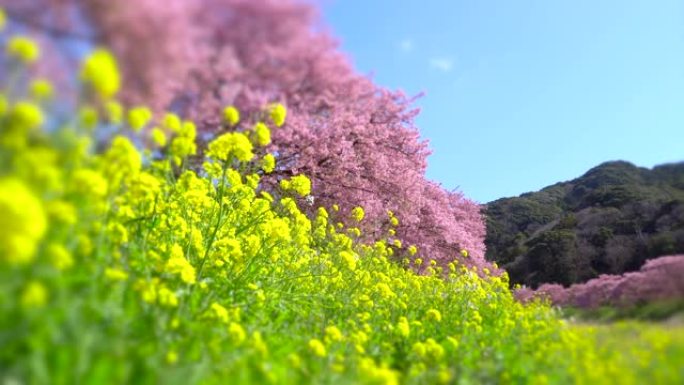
<point>222,187</point>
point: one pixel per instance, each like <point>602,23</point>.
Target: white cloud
<point>442,64</point>
<point>406,45</point>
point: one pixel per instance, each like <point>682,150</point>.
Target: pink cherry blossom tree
<point>357,141</point>
<point>658,279</point>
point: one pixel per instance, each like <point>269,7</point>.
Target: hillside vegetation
<point>608,221</point>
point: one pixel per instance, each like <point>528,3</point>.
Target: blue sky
<point>522,94</point>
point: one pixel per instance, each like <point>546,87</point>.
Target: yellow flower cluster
<point>158,137</point>
<point>300,184</point>
<point>183,144</point>
<point>25,116</point>
<point>101,73</point>
<point>268,163</point>
<point>114,112</point>
<point>262,133</point>
<point>177,264</point>
<point>138,117</point>
<point>231,115</point>
<point>34,295</point>
<point>41,89</point>
<point>278,114</point>
<point>394,221</point>
<point>23,49</point>
<point>121,161</point>
<point>231,145</point>
<point>357,213</point>
<point>317,348</point>
<point>22,219</point>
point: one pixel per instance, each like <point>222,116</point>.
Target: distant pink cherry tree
<point>658,279</point>
<point>355,140</point>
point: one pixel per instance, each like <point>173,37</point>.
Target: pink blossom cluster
<point>355,140</point>
<point>658,279</point>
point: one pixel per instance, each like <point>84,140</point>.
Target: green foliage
<point>655,311</point>
<point>620,215</point>
<point>551,257</point>
<point>601,237</point>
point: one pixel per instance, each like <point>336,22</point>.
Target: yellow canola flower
<point>34,295</point>
<point>23,49</point>
<point>277,229</point>
<point>41,89</point>
<point>317,348</point>
<point>118,233</point>
<point>358,214</point>
<point>148,290</point>
<point>59,256</point>
<point>88,117</point>
<point>89,182</point>
<point>263,134</point>
<point>259,345</point>
<point>172,122</point>
<point>145,186</point>
<point>177,264</point>
<point>333,334</point>
<point>349,259</point>
<point>237,333</point>
<point>419,349</point>
<point>184,143</point>
<point>101,73</point>
<point>231,115</point>
<point>124,152</point>
<point>453,341</point>
<point>384,290</point>
<point>322,212</point>
<point>464,253</point>
<point>121,161</point>
<point>278,114</point>
<point>138,117</point>
<point>115,274</point>
<point>231,249</point>
<point>167,297</point>
<point>434,349</point>
<point>158,137</point>
<point>171,357</point>
<point>22,219</point>
<point>403,328</point>
<point>229,145</point>
<point>300,184</point>
<point>234,177</point>
<point>219,312</point>
<point>62,212</point>
<point>412,250</point>
<point>433,314</point>
<point>268,163</point>
<point>26,115</point>
<point>380,375</point>
<point>114,112</point>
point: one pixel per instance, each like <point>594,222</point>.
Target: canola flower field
<point>120,263</point>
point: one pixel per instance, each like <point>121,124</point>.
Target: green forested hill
<point>609,220</point>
